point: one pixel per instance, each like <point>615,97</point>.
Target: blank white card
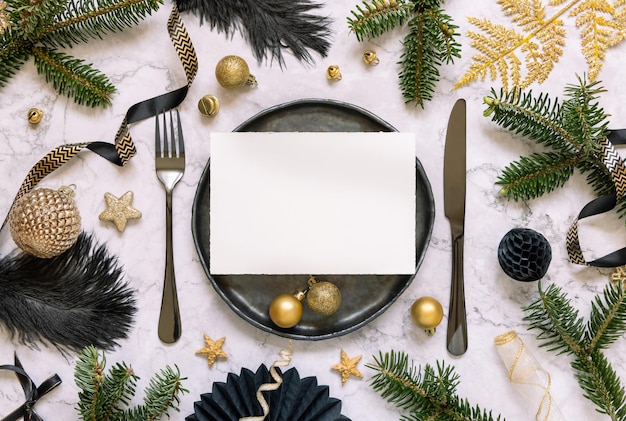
<point>312,203</point>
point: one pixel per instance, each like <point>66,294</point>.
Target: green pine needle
<point>561,330</point>
<point>39,27</point>
<point>102,395</point>
<point>573,130</point>
<point>428,394</point>
<point>73,77</point>
<point>430,43</point>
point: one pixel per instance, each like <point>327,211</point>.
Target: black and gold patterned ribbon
<point>32,392</point>
<point>123,149</point>
<point>616,167</point>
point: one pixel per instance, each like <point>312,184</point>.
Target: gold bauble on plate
<point>232,72</point>
<point>45,222</point>
<point>323,298</point>
<point>427,313</point>
<point>286,309</point>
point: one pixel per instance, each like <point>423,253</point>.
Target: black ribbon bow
<point>31,391</point>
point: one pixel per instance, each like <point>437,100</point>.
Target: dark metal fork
<point>170,167</point>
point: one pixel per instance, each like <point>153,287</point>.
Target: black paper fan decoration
<point>524,254</point>
<point>295,400</point>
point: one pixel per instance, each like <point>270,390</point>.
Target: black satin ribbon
<point>32,392</point>
<point>595,207</point>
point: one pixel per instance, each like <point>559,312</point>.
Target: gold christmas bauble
<point>286,310</point>
<point>232,72</point>
<point>427,313</point>
<point>323,298</point>
<point>34,115</point>
<point>45,222</point>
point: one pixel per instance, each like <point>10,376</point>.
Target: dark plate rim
<point>382,309</point>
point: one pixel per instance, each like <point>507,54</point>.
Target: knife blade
<point>454,209</point>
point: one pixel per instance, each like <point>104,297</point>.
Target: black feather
<point>73,300</point>
<point>269,26</point>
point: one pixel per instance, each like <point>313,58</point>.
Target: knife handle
<point>457,318</point>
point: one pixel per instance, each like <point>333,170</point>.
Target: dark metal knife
<point>454,209</point>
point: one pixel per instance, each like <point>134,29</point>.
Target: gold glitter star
<point>347,367</point>
<point>212,349</point>
<point>119,210</point>
<point>619,275</point>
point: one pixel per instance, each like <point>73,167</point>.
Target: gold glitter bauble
<point>232,72</point>
<point>323,298</point>
<point>34,115</point>
<point>209,105</point>
<point>45,222</point>
<point>286,310</point>
<point>427,313</point>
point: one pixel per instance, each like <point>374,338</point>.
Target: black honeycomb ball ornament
<point>524,254</point>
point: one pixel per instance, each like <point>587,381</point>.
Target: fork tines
<point>171,146</point>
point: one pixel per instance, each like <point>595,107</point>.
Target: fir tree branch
<point>13,54</point>
<point>430,394</point>
<point>89,376</point>
<point>94,19</point>
<point>375,18</point>
<point>537,174</point>
<point>73,77</point>
<point>35,15</point>
<point>562,330</point>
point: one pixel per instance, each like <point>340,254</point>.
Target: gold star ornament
<point>347,367</point>
<point>119,210</point>
<point>619,275</point>
<point>212,349</point>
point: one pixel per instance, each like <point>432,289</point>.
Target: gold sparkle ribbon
<point>525,372</point>
<point>285,360</point>
<point>123,149</point>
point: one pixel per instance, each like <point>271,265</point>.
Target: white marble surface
<point>142,64</point>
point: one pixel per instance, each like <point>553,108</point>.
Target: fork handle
<point>169,317</point>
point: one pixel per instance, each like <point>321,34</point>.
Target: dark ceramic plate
<point>364,297</point>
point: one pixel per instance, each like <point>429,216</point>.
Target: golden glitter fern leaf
<point>538,40</point>
<point>538,44</point>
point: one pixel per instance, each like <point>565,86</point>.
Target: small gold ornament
<point>212,349</point>
<point>619,276</point>
<point>34,115</point>
<point>347,367</point>
<point>5,18</point>
<point>333,72</point>
<point>323,298</point>
<point>427,313</point>
<point>45,222</point>
<point>286,309</point>
<point>119,210</point>
<point>232,72</point>
<point>369,57</point>
<point>209,105</point>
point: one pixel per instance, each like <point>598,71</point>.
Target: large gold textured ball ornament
<point>232,72</point>
<point>323,298</point>
<point>286,310</point>
<point>45,222</point>
<point>427,313</point>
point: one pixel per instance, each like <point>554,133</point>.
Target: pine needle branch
<point>563,331</point>
<point>73,77</point>
<point>572,128</point>
<point>430,43</point>
<point>102,395</point>
<point>427,394</point>
<point>373,19</point>
<point>95,19</point>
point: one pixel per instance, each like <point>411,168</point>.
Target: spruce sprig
<point>104,396</point>
<point>562,330</point>
<point>39,27</point>
<point>427,394</point>
<point>430,42</point>
<point>572,129</point>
